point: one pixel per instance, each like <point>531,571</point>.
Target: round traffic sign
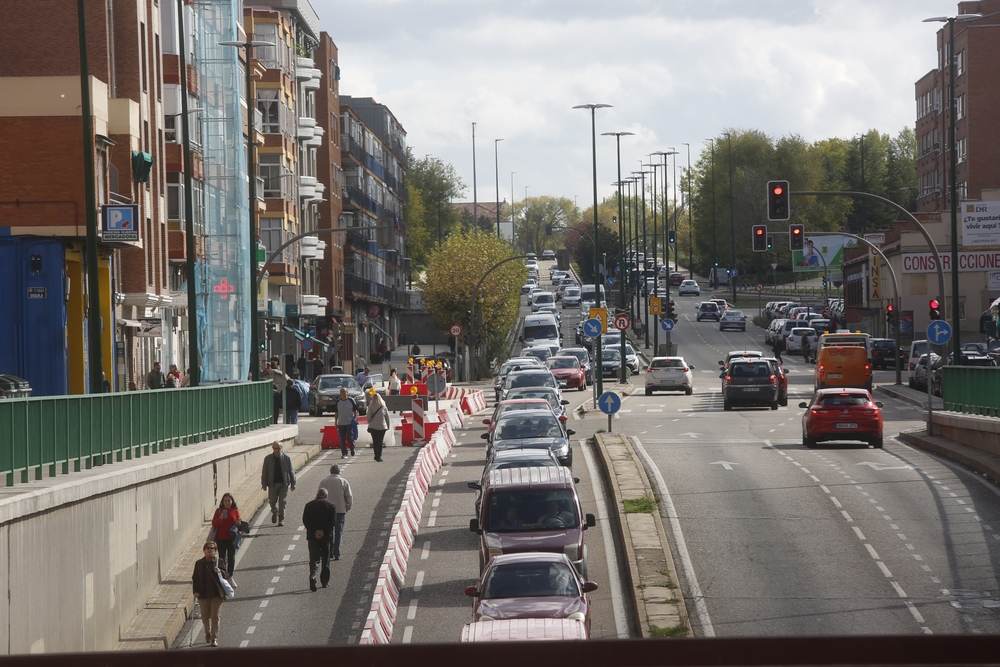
<point>307,344</point>
<point>455,330</point>
<point>667,324</point>
<point>621,322</point>
<point>938,332</point>
<point>759,288</point>
<point>734,273</point>
<point>436,384</point>
<point>609,403</point>
<point>593,327</point>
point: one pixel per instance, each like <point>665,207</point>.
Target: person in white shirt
<point>339,493</point>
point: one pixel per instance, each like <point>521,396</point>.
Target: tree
<point>436,183</point>
<point>584,252</point>
<point>541,223</point>
<point>451,274</point>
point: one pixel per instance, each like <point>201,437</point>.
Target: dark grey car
<point>750,382</point>
<point>325,392</point>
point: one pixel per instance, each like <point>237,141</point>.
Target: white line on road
<point>411,613</point>
<point>426,551</point>
<point>432,519</point>
<point>899,589</point>
<point>418,581</point>
<point>885,570</point>
<point>407,634</point>
<point>836,502</point>
<point>857,531</point>
<point>872,552</point>
<point>701,608</point>
<point>615,584</point>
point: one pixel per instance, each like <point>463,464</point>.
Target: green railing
<point>68,433</point>
<point>971,389</point>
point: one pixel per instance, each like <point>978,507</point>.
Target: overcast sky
<point>675,71</point>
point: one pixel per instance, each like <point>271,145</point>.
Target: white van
<point>589,293</point>
<point>540,329</point>
<point>918,348</point>
<point>718,275</point>
<point>539,299</point>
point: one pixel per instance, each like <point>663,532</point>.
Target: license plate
<point>751,388</point>
<point>846,425</point>
<point>562,385</point>
<point>835,376</point>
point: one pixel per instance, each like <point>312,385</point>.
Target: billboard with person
<point>831,247</point>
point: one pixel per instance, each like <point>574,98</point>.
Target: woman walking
<point>394,383</point>
<point>226,516</point>
<point>378,421</point>
<point>209,591</point>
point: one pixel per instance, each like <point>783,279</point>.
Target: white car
<point>585,307</point>
<point>793,341</point>
<point>689,287</point>
<point>571,297</point>
<point>670,373</point>
<point>733,319</point>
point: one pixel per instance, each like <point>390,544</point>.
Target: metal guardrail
<point>68,433</point>
<point>972,390</point>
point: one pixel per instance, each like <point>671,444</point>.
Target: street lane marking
<point>407,634</point>
<point>426,551</point>
<point>885,570</point>
<point>269,591</point>
<point>263,603</point>
<point>836,502</point>
<point>899,589</point>
<point>857,531</point>
<point>432,519</point>
<point>418,581</point>
<point>258,616</point>
<point>411,613</point>
<point>871,551</point>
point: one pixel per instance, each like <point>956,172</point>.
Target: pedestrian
<point>777,347</point>
<point>154,379</point>
<point>340,495</point>
<point>293,402</point>
<point>302,364</point>
<point>394,383</point>
<point>362,377</point>
<point>277,478</point>
<point>415,350</point>
<point>346,410</point>
<point>319,518</point>
<point>805,349</point>
<point>105,383</point>
<point>275,403</point>
<point>209,591</point>
<point>378,421</point>
<point>831,326</point>
<point>383,350</point>
<point>226,516</point>
<point>173,377</point>
<point>303,393</point>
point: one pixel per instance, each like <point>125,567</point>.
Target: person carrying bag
<point>378,421</point>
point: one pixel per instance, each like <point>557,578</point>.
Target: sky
<point>674,71</point>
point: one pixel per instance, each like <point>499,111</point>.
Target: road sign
<point>655,305</point>
<point>592,328</point>
<point>734,273</point>
<point>455,330</point>
<point>774,266</point>
<point>609,403</point>
<point>610,281</point>
<point>436,384</point>
<point>621,322</point>
<point>667,324</point>
<point>307,344</point>
<point>759,288</point>
<point>938,332</point>
<point>602,315</point>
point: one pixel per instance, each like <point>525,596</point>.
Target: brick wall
<point>328,101</point>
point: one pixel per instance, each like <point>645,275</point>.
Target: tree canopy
<point>430,218</point>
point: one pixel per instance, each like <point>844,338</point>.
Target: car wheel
<point>877,443</point>
<point>312,412</point>
<point>912,386</point>
<point>774,406</point>
<point>649,392</point>
<point>783,402</point>
<point>726,406</point>
<point>583,387</point>
<point>688,391</point>
<point>807,441</point>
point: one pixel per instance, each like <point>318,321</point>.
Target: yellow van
<point>843,366</point>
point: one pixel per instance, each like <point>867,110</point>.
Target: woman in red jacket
<point>225,518</point>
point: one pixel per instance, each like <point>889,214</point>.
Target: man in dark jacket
<point>318,517</point>
<point>293,402</point>
<point>277,477</point>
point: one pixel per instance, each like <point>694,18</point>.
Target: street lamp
<point>597,253</point>
<point>732,219</point>
<point>496,166</point>
<point>715,254</point>
<point>656,332</point>
<point>645,320</point>
<point>252,182</point>
<point>955,323</point>
<point>621,235</point>
<point>690,219</point>
<point>666,243</point>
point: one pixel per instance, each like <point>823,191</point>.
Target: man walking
<point>154,379</point>
<point>778,346</point>
<point>346,410</point>
<point>362,377</point>
<point>293,402</point>
<point>339,492</point>
<point>319,517</point>
<point>277,478</point>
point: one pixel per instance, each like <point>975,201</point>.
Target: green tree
<point>583,253</point>
<point>451,274</point>
<point>437,183</point>
<point>540,223</point>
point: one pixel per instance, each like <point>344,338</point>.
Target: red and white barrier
<point>473,402</point>
<point>417,405</point>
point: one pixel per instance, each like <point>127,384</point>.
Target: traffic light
<point>760,238</point>
<point>890,315</point>
<point>468,320</point>
<point>777,200</point>
<point>671,236</point>
<point>770,241</point>
<point>796,237</point>
<point>824,282</point>
<point>935,313</point>
<point>670,310</point>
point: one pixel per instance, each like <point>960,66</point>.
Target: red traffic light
<point>934,304</point>
<point>889,308</point>
<point>778,190</point>
<point>796,230</point>
<point>759,232</point>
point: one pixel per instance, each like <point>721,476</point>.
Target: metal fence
<point>971,389</point>
<point>65,434</point>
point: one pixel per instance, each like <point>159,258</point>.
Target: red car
<point>531,585</point>
<point>842,414</point>
<point>676,279</point>
<point>568,371</point>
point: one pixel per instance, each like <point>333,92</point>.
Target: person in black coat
<point>293,402</point>
<point>318,517</point>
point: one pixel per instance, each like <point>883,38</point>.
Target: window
<point>960,106</point>
<point>960,148</point>
<point>142,51</point>
<point>267,55</point>
<point>270,108</point>
<point>269,168</point>
<point>272,231</point>
<point>960,63</point>
<point>156,62</point>
<point>963,190</point>
<point>175,197</point>
<point>170,129</point>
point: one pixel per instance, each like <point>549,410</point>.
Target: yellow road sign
<point>655,305</point>
<point>602,315</point>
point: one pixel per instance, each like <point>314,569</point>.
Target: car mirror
<point>588,586</point>
<point>564,402</point>
<point>879,404</point>
<point>485,436</point>
<point>691,366</point>
<point>570,431</point>
<point>803,405</point>
<point>563,418</point>
<point>472,592</point>
<point>486,421</point>
<point>520,339</point>
<point>474,526</point>
<point>576,480</point>
<point>722,374</point>
<point>722,363</point>
<point>589,521</point>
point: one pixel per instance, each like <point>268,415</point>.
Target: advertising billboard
<point>830,247</point>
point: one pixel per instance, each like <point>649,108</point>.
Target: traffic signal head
<point>770,241</point>
<point>935,312</point>
<point>759,238</point>
<point>890,313</point>
<point>796,237</point>
<point>777,200</point>
<point>671,236</point>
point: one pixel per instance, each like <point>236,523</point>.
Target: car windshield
<point>709,306</point>
<point>571,291</point>
<point>563,362</point>
<point>533,380</point>
<point>545,393</point>
<point>750,370</point>
<point>540,353</point>
<point>610,355</point>
<point>519,427</point>
<point>541,331</point>
<point>529,509</point>
<point>843,400</point>
<point>337,383</point>
<point>526,462</point>
<point>883,345</point>
<point>531,580</point>
<point>734,313</point>
<point>544,297</point>
<point>803,332</point>
<point>666,363</point>
<point>689,282</point>
<point>581,355</point>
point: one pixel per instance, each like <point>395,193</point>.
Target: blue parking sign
<point>120,223</point>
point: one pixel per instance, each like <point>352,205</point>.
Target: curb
<point>982,462</point>
<point>652,594</point>
<point>908,395</point>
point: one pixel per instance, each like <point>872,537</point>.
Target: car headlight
<point>562,450</point>
<point>572,551</point>
<point>494,552</point>
<point>576,616</point>
<point>490,618</point>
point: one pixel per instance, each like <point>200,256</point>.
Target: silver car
<point>733,319</point>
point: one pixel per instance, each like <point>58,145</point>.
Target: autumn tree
<point>430,218</point>
<point>541,223</point>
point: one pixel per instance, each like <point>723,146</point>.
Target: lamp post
<point>953,176</point>
<point>732,219</point>
<point>656,332</point>
<point>252,182</point>
<point>512,201</point>
<point>475,198</point>
<point>690,218</point>
<point>597,237</point>
<point>666,243</point>
<point>715,254</point>
<point>621,237</point>
<point>645,316</point>
<point>496,166</point>
<point>673,209</point>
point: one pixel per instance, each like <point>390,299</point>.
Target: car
<point>749,382</point>
<point>538,429</point>
<point>721,303</point>
<point>514,458</point>
<point>568,372</point>
<point>530,586</point>
<point>526,288</point>
<point>794,341</point>
<point>739,354</point>
<point>548,254</point>
<point>510,365</point>
<point>571,297</point>
<point>918,348</point>
<point>530,377</point>
<point>519,403</point>
<point>689,288</point>
<point>669,373</point>
<point>525,630</point>
<point>708,310</point>
<point>631,358</point>
<point>539,352</point>
<point>920,370</point>
<point>324,392</point>
<point>539,299</point>
<point>583,356</point>
<point>842,414</point>
<point>553,397</point>
<point>884,353</point>
<point>972,359</point>
<point>779,371</point>
<point>540,329</point>
<point>585,306</point>
<point>733,319</point>
<point>676,279</point>
<point>553,311</point>
<point>771,332</point>
<point>974,348</point>
<point>611,362</point>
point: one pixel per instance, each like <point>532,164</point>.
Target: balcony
<point>359,289</point>
<point>307,187</point>
<point>308,247</point>
<point>310,305</point>
<point>317,139</point>
<point>303,68</point>
<point>358,197</point>
<point>307,128</point>
<point>320,255</point>
<point>312,83</point>
<point>348,146</point>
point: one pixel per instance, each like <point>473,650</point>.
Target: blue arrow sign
<point>667,324</point>
<point>938,332</point>
<point>609,402</point>
<point>593,327</point>
<point>610,281</point>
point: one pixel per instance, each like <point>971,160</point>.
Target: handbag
<point>228,589</point>
<point>211,535</point>
<point>370,429</point>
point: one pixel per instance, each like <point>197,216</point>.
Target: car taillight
<point>649,369</point>
<point>729,380</point>
<point>822,371</point>
<point>870,412</point>
<point>868,370</point>
<point>774,381</point>
<point>912,367</point>
<point>686,369</point>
